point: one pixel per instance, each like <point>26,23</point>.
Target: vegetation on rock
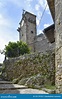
<point>33,70</point>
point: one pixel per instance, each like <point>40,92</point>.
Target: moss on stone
<point>30,66</point>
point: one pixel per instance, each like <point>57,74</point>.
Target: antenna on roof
<point>23,12</point>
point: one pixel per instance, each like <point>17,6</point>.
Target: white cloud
<point>29,0</point>
<point>46,25</point>
<point>4,3</point>
<point>21,3</point>
<point>4,39</point>
<point>2,58</point>
<point>28,6</point>
<point>7,33</point>
<point>43,4</point>
<point>2,45</point>
<point>39,14</point>
<point>3,21</point>
<point>37,6</point>
<point>1,4</point>
<point>16,2</point>
<point>37,22</point>
<point>40,31</point>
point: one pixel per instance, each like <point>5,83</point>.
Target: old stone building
<point>54,35</point>
<point>56,11</point>
<point>27,30</point>
<point>28,33</point>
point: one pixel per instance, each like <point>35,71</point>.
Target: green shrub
<point>15,49</point>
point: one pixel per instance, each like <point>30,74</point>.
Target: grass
<point>52,87</point>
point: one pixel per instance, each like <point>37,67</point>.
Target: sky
<point>11,14</point>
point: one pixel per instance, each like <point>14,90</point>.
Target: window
<point>22,34</point>
<point>32,32</point>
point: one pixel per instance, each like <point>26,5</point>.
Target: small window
<point>22,34</point>
<point>32,32</point>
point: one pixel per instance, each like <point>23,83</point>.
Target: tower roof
<point>49,32</point>
<point>29,13</point>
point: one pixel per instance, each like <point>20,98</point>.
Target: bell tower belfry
<point>27,29</point>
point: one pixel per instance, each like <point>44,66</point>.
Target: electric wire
<point>42,15</point>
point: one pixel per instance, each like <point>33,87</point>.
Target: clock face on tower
<point>22,23</point>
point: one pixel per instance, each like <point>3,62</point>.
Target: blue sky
<point>11,14</point>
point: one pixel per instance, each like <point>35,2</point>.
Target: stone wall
<point>42,44</point>
<point>32,69</point>
<point>58,48</point>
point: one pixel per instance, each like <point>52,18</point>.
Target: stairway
<point>9,88</point>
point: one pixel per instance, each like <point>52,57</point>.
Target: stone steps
<point>10,91</point>
<point>5,82</point>
<point>9,88</point>
<point>23,91</point>
<point>6,85</point>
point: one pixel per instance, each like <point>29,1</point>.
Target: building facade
<point>28,33</point>
<point>56,12</point>
<point>54,41</point>
<point>27,30</point>
<point>58,43</point>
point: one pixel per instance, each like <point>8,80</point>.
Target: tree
<point>23,48</point>
<point>15,49</point>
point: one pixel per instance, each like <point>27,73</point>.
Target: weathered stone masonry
<point>28,33</point>
<point>33,69</point>
<point>58,41</point>
<point>56,11</point>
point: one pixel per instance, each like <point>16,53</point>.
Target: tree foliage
<point>15,49</point>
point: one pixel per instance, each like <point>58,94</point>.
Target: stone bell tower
<point>27,29</point>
